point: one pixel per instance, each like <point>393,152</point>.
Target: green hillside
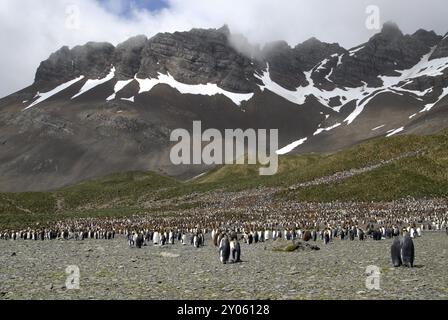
<point>420,175</point>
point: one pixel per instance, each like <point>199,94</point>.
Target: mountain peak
<point>133,41</point>
<point>224,29</point>
<point>276,45</point>
<point>429,38</point>
<point>391,30</point>
<point>442,49</point>
<point>312,41</point>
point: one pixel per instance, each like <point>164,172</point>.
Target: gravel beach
<point>112,270</point>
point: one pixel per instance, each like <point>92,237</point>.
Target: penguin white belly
<point>196,241</point>
<point>266,235</point>
<point>156,238</point>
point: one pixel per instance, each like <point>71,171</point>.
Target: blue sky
<point>124,7</point>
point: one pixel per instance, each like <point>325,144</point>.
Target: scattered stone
<point>409,280</point>
<point>169,255</point>
<point>266,274</point>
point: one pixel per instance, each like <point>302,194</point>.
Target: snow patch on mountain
<point>364,94</point>
<point>319,131</point>
<point>340,59</point>
<point>431,105</point>
<point>92,83</point>
<point>46,95</point>
<point>208,89</point>
<point>291,146</point>
<point>131,99</point>
<point>394,132</point>
<point>379,127</point>
<point>118,87</point>
<point>394,84</point>
<point>301,93</point>
<point>353,51</point>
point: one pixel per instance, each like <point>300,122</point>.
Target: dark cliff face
<point>313,51</point>
<point>127,57</point>
<point>207,56</point>
<point>383,54</point>
<point>92,60</point>
<point>284,66</point>
<point>287,65</point>
<point>442,49</point>
<point>198,57</point>
<point>194,57</point>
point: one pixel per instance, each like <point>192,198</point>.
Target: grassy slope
<point>115,195</point>
<point>123,194</point>
<point>297,169</point>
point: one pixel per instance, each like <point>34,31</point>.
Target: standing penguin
<point>163,239</point>
<point>156,238</point>
<point>361,234</point>
<point>184,239</point>
<point>201,240</point>
<point>267,235</point>
<point>250,239</point>
<point>352,234</point>
<point>407,251</point>
<point>256,237</point>
<point>215,235</point>
<point>235,251</point>
<point>395,252</point>
<point>139,241</point>
<point>134,238</point>
<point>327,236</point>
<point>196,241</point>
<point>224,250</point>
<point>219,238</point>
<point>314,234</point>
<point>419,232</point>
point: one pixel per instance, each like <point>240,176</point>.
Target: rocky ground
<point>111,270</point>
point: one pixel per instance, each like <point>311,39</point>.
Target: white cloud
<point>31,29</point>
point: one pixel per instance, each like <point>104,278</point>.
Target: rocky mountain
<point>98,109</point>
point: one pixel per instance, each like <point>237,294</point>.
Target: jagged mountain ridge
<point>98,109</point>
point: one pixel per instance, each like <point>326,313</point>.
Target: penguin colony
<point>228,241</point>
